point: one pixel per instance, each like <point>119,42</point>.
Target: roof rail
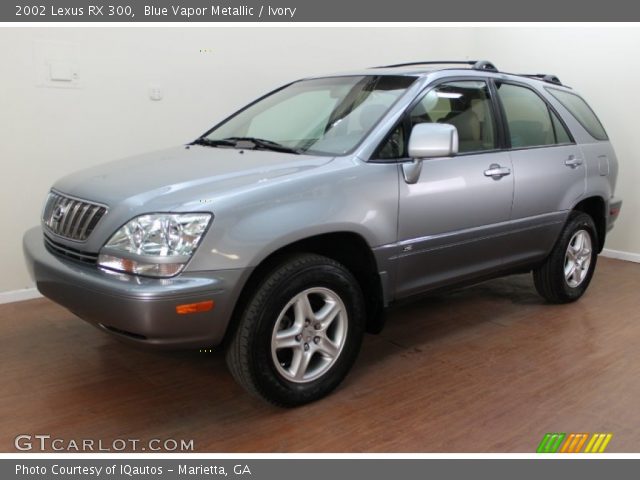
<point>484,65</point>
<point>544,77</point>
<point>475,64</point>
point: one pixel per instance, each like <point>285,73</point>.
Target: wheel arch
<point>595,207</point>
<point>346,247</point>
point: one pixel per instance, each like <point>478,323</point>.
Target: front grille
<point>70,253</point>
<point>71,218</point>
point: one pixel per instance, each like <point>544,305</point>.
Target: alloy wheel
<point>309,335</point>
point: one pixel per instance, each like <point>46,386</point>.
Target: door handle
<point>496,171</point>
<point>573,161</point>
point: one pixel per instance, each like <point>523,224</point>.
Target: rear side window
<point>583,113</point>
<point>530,121</point>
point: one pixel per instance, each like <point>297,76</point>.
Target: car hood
<point>182,176</point>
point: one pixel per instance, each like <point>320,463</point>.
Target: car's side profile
<point>283,233</point>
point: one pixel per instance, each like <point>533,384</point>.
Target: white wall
<point>46,133</point>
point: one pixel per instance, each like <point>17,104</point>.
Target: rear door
<point>548,170</point>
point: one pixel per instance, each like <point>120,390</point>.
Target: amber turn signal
<point>194,307</point>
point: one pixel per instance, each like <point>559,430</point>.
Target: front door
<point>452,221</point>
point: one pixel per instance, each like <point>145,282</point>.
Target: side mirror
<point>429,140</point>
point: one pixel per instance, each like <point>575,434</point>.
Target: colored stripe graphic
<point>573,442</point>
<point>551,442</point>
<point>598,443</point>
<point>605,442</point>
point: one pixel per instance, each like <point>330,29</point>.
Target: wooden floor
<point>485,369</point>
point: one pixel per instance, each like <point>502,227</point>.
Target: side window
<point>529,120</point>
<point>393,146</point>
<point>464,104</point>
<point>583,113</point>
<point>562,136</point>
<point>467,106</point>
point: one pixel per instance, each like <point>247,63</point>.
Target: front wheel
<point>566,273</point>
<point>300,332</point>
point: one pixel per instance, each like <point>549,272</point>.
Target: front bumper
<point>137,309</point>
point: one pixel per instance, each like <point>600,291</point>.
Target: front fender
<point>345,196</point>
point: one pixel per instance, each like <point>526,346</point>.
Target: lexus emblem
<point>58,213</point>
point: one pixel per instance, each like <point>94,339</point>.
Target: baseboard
<point>620,255</point>
<point>19,295</point>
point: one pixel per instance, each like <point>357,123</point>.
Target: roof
<point>423,68</point>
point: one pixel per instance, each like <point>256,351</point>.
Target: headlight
<point>156,245</point>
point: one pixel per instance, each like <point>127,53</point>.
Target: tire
<point>553,279</point>
<point>279,331</point>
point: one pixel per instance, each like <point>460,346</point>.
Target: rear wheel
<point>300,332</point>
<point>567,272</point>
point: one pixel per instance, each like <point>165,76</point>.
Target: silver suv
<point>283,233</point>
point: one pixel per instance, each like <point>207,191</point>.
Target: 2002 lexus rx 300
<point>283,232</point>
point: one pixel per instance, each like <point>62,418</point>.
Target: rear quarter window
<point>581,111</point>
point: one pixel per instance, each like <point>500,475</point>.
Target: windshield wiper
<point>207,142</point>
<point>262,143</point>
<point>246,142</point>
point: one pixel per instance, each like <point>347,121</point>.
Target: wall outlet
<point>155,92</point>
<point>56,64</point>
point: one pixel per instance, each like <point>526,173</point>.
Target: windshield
<point>321,116</point>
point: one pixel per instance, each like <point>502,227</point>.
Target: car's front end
<point>130,282</point>
<point>130,246</point>
<point>174,312</point>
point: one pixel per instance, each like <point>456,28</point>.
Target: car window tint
<point>581,111</point>
<point>322,116</point>
<point>464,104</point>
<point>394,146</point>
<point>562,136</point>
<point>528,118</point>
